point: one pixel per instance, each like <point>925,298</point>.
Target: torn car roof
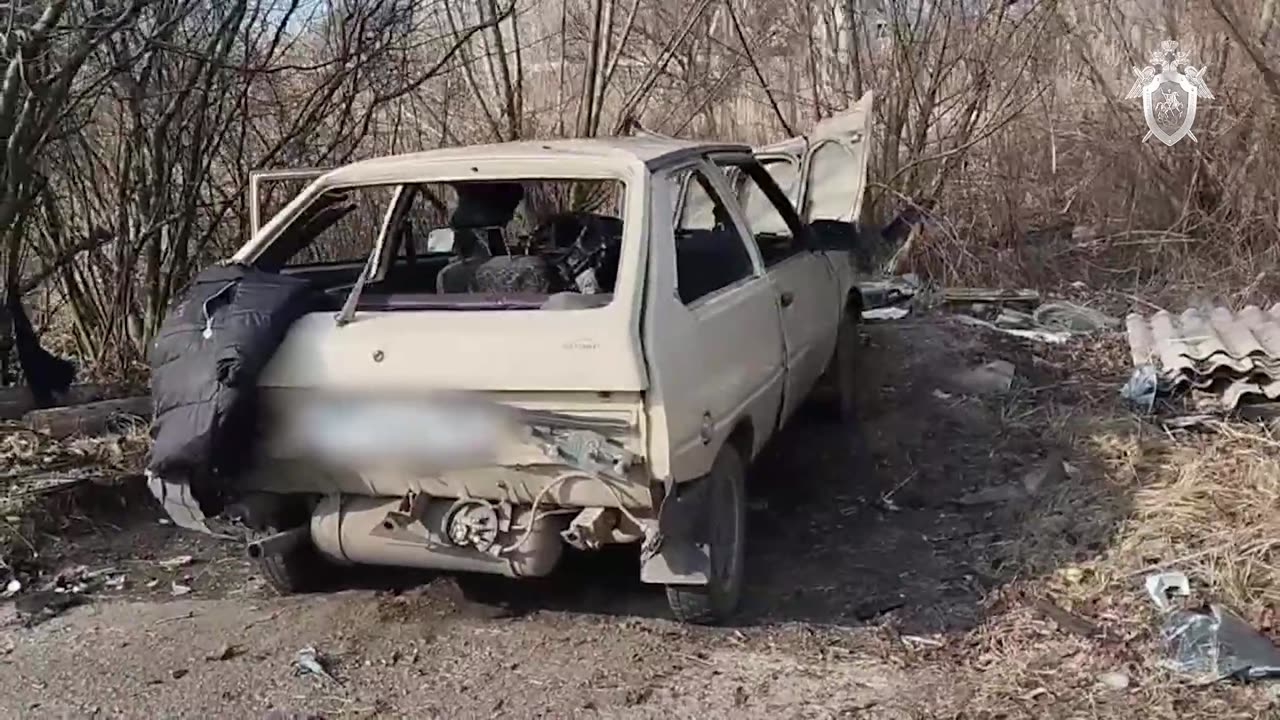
<point>618,151</point>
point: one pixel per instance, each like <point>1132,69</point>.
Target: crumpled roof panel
<point>1235,353</point>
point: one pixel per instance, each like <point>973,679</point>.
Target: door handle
<point>786,299</point>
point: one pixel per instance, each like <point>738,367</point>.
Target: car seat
<point>483,210</point>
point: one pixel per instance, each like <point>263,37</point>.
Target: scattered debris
<point>278,714</point>
<point>1114,680</point>
<point>1233,357</point>
<point>1052,471</point>
<point>79,579</point>
<point>995,495</point>
<point>886,313</point>
<point>1046,474</point>
<point>1163,587</point>
<point>1142,388</point>
<point>1067,620</point>
<point>115,582</point>
<point>1052,322</point>
<point>989,295</point>
<point>174,563</point>
<point>1036,694</point>
<point>310,662</point>
<point>1209,644</point>
<point>922,641</point>
<point>178,590</point>
<point>1072,318</point>
<point>1185,422</point>
<point>1048,336</point>
<point>877,607</point>
<point>226,652</point>
<point>184,616</point>
<point>13,587</point>
<point>993,378</point>
<point>1215,644</point>
<point>42,605</point>
<point>885,503</point>
<point>893,291</point>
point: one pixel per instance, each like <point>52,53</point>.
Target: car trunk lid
<point>483,350</point>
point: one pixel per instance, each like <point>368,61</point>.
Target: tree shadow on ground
<point>849,524</point>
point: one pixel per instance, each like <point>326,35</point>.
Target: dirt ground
<point>880,586</point>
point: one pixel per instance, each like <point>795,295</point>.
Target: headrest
<point>489,204</point>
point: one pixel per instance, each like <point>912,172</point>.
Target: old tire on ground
<point>298,570</point>
<point>716,601</point>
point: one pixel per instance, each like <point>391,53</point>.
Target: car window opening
<point>471,245</point>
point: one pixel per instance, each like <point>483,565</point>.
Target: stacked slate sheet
<point>1234,356</point>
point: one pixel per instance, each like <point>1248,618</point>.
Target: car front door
<point>825,175</point>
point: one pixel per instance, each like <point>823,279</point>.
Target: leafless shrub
<point>131,130</point>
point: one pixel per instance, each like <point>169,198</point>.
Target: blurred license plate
<point>446,434</point>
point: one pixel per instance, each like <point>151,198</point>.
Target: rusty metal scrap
<point>1235,355</point>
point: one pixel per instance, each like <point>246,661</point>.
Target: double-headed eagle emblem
<point>1169,96</point>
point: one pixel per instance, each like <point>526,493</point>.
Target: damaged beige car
<point>545,344</point>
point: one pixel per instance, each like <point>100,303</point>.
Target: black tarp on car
<point>205,364</point>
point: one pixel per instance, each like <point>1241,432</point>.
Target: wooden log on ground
<point>16,402</point>
<point>90,419</point>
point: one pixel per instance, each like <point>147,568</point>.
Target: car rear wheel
<point>845,369</point>
<point>836,395</point>
<point>717,601</point>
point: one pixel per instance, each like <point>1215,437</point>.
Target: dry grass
<point>43,477</point>
<point>1209,506</point>
<point>1206,504</point>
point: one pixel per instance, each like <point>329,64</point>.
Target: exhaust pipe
<point>278,544</point>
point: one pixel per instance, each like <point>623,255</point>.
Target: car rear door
<point>711,336</point>
<point>804,282</point>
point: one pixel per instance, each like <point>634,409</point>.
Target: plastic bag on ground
<point>1216,644</point>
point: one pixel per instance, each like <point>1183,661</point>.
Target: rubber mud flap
<point>683,513</point>
<point>178,503</point>
<point>681,556</point>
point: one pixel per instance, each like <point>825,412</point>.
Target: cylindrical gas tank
<point>359,529</point>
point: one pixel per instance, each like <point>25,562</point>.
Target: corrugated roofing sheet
<point>1234,354</point>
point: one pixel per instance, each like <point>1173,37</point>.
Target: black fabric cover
<point>205,364</point>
